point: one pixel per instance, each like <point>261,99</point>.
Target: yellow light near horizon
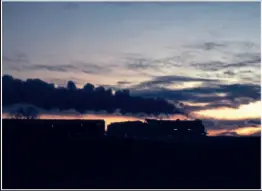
<point>248,130</point>
<point>243,131</point>
<point>248,111</point>
<point>216,132</point>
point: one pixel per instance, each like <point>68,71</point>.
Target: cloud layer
<point>211,92</point>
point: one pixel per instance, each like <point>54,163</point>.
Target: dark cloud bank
<point>47,96</point>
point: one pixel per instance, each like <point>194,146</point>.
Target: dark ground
<point>31,161</point>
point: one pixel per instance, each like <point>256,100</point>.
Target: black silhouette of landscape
<point>76,154</point>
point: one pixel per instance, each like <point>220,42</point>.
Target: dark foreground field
<point>46,162</point>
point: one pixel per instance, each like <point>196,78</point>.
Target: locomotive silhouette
<point>158,129</point>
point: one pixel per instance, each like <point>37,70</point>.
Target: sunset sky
<point>204,55</point>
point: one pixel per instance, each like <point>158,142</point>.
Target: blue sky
<point>108,34</point>
<point>133,45</point>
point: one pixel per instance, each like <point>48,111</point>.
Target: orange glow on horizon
<point>243,131</point>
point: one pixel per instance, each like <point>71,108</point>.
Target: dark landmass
<point>40,160</point>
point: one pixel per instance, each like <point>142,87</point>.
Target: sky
<point>204,55</point>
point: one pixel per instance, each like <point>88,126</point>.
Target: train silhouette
<point>84,129</point>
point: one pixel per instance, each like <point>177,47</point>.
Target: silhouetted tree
<point>24,113</point>
<point>100,90</point>
<point>89,87</point>
<point>71,85</point>
<point>122,93</point>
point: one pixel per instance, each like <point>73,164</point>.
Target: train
<point>95,129</point>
